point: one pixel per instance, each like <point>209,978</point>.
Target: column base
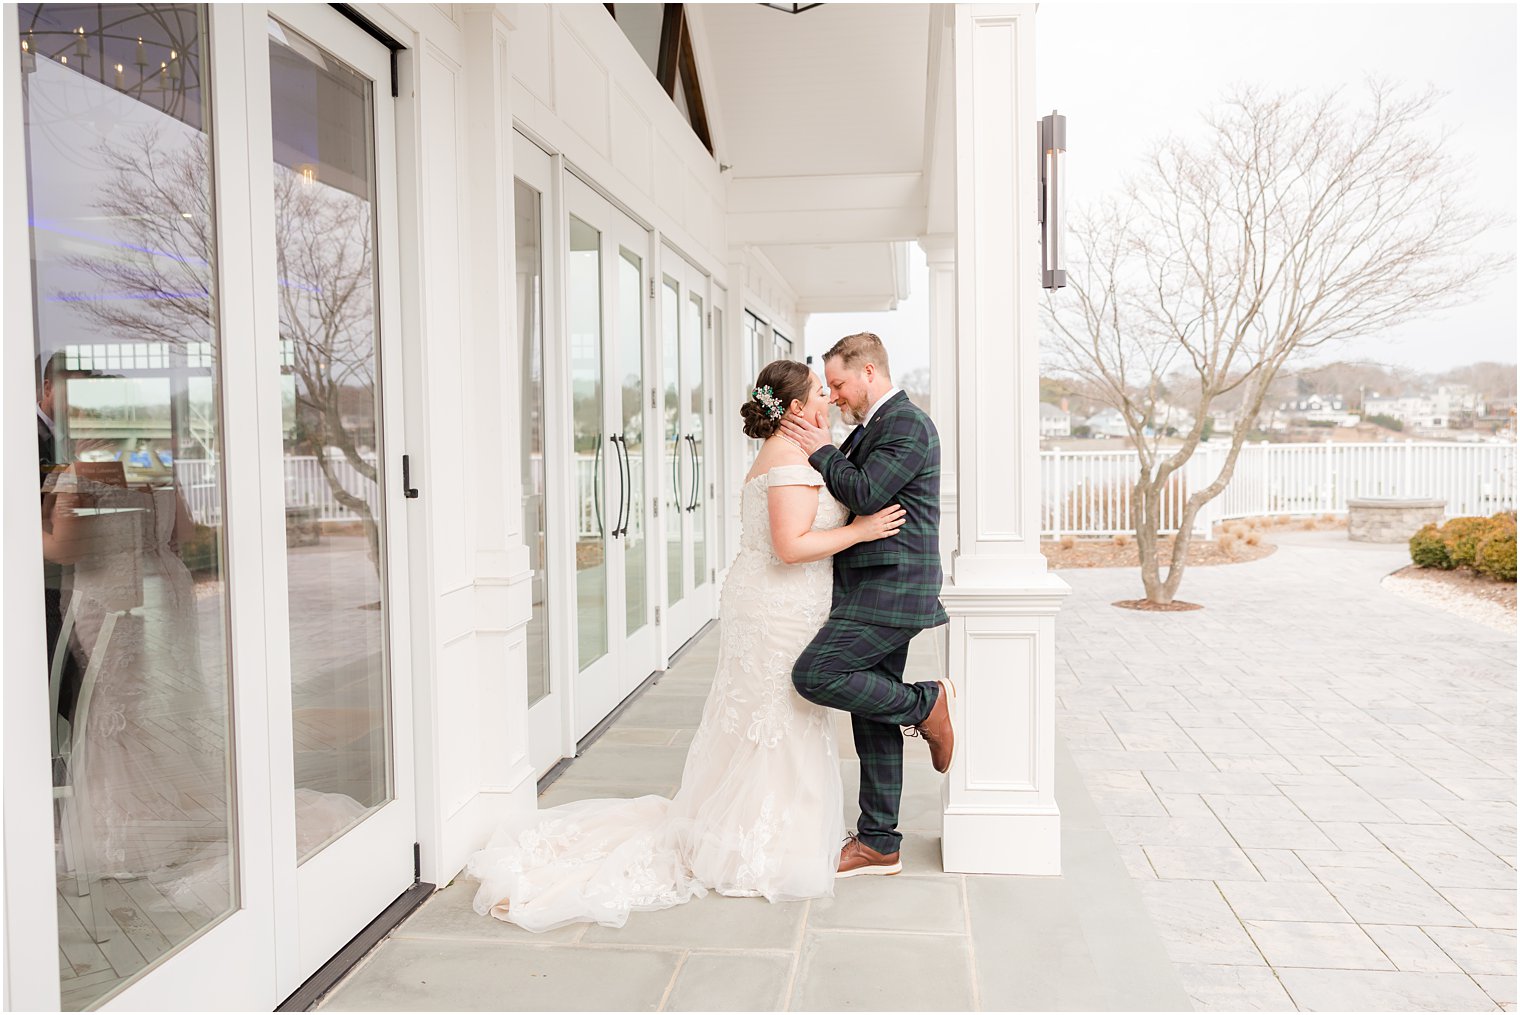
<point>979,842</point>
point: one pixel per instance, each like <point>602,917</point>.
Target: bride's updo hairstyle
<point>778,385</point>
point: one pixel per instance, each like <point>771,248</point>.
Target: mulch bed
<point>1145,605</point>
<point>1106,553</point>
<point>1469,584</point>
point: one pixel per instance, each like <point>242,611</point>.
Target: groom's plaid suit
<point>885,592</point>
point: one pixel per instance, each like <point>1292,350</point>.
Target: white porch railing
<point>305,486</point>
<point>1089,492</point>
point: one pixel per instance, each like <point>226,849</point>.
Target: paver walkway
<point>1311,783</point>
<point>924,940</point>
<point>1312,779</point>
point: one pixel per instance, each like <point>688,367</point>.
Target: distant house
<point>1320,409</point>
<point>1107,423</point>
<point>1054,421</point>
<point>1167,417</point>
<point>1416,412</point>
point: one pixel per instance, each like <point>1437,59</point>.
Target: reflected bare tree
<point>157,286</point>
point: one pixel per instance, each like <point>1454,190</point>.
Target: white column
<point>1000,814</point>
<point>939,249</point>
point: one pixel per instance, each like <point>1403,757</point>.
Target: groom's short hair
<point>855,350</point>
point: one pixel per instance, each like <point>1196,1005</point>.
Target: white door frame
<point>227,965</point>
<point>328,899</point>
<point>549,734</point>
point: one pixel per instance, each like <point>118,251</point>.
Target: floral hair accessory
<point>766,397</point>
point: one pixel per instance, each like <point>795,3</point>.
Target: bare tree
<point>160,277</point>
<point>1291,223</point>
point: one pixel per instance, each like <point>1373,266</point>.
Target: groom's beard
<point>852,415</point>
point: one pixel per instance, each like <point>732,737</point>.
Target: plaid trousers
<point>858,668</point>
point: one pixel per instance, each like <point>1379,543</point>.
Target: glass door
<point>136,333</point>
<point>686,344</point>
<point>549,734</point>
<point>332,354</point>
<point>606,320</point>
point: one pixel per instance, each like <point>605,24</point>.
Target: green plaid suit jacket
<point>890,582</point>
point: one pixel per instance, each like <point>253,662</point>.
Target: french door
<point>221,404</point>
<point>327,255</point>
<point>606,321</point>
<point>686,403</point>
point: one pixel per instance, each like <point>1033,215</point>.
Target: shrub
<point>1462,536</point>
<point>1428,549</point>
<point>1496,554</point>
<point>1068,542</point>
<point>1253,538</point>
<point>1121,540</point>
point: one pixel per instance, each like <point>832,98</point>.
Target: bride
<point>760,810</point>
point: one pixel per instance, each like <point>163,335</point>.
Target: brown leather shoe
<point>858,858</point>
<point>936,729</point>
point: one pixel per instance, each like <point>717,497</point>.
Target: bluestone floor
<point>1301,796</point>
<point>923,940</point>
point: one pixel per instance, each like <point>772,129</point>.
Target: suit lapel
<point>873,428</point>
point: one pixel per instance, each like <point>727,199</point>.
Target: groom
<point>885,592</point>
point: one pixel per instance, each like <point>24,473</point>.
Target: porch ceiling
<point>822,117</point>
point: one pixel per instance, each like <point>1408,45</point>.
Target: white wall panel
<point>459,693</point>
<point>581,84</point>
<point>449,406</point>
<point>1003,700</point>
<point>632,141</point>
<point>532,62</point>
<point>670,174</point>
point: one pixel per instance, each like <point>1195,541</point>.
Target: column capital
<point>939,248</point>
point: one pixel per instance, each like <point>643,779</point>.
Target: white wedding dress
<point>760,810</point>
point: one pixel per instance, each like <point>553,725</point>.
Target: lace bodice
<point>755,519</point>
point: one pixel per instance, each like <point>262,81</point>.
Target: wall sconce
<point>1052,199</point>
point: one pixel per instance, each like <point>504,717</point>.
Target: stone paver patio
<point>1313,779</point>
<point>1310,784</point>
<point>924,940</point>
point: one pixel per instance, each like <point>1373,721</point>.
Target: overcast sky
<point>1126,74</point>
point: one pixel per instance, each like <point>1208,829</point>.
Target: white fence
<point>1084,492</point>
<point>305,486</point>
<point>1089,492</point>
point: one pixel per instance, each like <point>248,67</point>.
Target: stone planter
<point>1391,519</point>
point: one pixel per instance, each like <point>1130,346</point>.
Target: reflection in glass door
<point>129,351</point>
<point>606,303</point>
<point>332,183</point>
<point>630,326</point>
<point>541,438</point>
<point>335,517</point>
<point>583,288</point>
<point>685,336</point>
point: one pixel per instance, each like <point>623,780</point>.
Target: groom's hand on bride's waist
<point>803,433</point>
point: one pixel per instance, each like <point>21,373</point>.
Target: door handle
<point>596,487</point>
<point>627,482</point>
<point>695,470</point>
<point>617,526</point>
<point>675,473</point>
<point>407,489</point>
<point>618,518</point>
